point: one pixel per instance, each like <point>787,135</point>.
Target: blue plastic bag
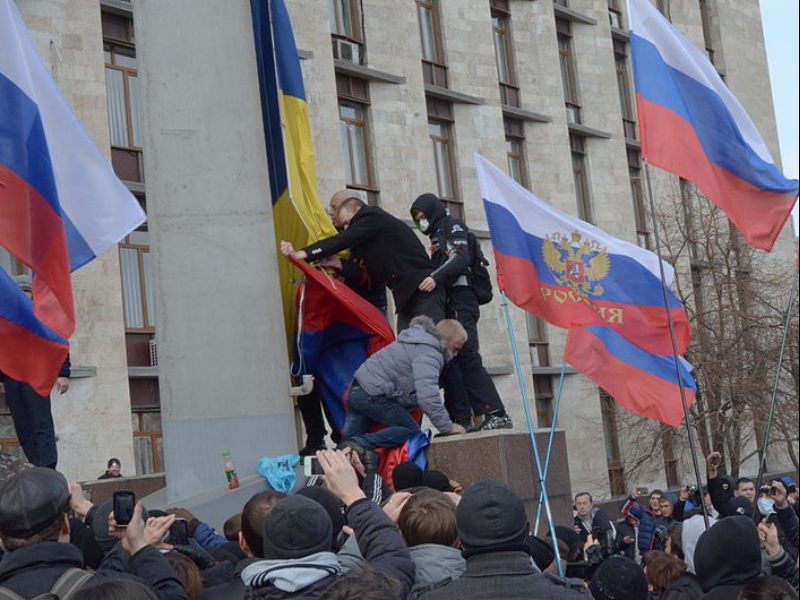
<point>279,471</point>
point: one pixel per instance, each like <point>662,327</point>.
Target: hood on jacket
<point>419,331</point>
<point>692,529</point>
<point>729,553</point>
<point>433,208</point>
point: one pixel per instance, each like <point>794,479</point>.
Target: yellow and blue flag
<point>298,214</point>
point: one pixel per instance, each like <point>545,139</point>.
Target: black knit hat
<point>619,578</point>
<point>541,551</point>
<point>739,505</point>
<point>491,516</point>
<point>332,505</point>
<point>31,500</point>
<point>406,475</point>
<point>437,480</point>
<point>297,527</point>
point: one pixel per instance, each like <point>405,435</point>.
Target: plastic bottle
<point>230,471</point>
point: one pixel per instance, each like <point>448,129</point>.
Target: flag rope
<point>553,426</point>
<point>762,463</point>
<point>673,340</point>
<point>529,420</point>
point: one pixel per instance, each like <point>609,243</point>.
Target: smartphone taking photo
<point>178,534</point>
<point>124,502</point>
<point>311,466</point>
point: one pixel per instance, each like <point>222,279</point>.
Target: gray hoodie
<point>408,369</point>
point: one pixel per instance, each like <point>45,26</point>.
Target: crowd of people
<point>348,534</point>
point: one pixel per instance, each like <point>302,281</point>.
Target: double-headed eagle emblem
<point>576,263</point>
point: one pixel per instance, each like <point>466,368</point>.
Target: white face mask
<point>422,225</point>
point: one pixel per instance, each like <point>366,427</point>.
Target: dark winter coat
<point>449,242</point>
<point>727,557</point>
<point>34,569</point>
<point>392,253</point>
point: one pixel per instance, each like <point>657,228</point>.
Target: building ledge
<point>142,372</point>
<point>342,66</point>
<point>80,371</point>
<point>620,34</point>
<point>525,115</point>
<point>553,371</point>
<point>447,94</point>
<point>500,370</point>
<point>121,7</point>
<point>572,15</point>
<point>633,144</point>
<point>305,54</point>
<point>587,131</point>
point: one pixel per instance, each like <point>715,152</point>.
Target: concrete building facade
<point>400,95</point>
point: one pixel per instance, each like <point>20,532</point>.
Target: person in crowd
<point>691,530</point>
<point>427,523</point>
<point>768,587</point>
<point>618,577</point>
<point>780,562</point>
<point>438,480</point>
<point>591,520</point>
<point>392,255</point>
<point>352,272</point>
<point>297,537</point>
<point>654,501</point>
<point>403,375</point>
<point>493,527</point>
<point>668,578</point>
<point>720,497</point>
<point>115,590</point>
<point>364,584</point>
<point>186,571</point>
<point>468,387</point>
<point>626,536</point>
<point>231,527</point>
<point>30,411</point>
<point>34,530</point>
<point>787,518</point>
<point>333,506</point>
<point>653,528</point>
<point>251,541</point>
<point>113,469</point>
<point>202,533</point>
<point>406,475</point>
<point>727,557</point>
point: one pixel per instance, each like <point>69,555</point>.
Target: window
<point>122,92</point>
<point>440,130</point>
<point>353,130</point>
<point>543,389</point>
<point>345,18</point>
<point>434,69</point>
<point>624,88</point>
<point>537,341</point>
<point>616,474</point>
<point>614,14</point>
<point>509,92</point>
<point>515,141</point>
<point>581,177</point>
<point>637,195</point>
<point>569,80</point>
<point>137,283</point>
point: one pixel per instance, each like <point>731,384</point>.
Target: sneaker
<point>491,422</point>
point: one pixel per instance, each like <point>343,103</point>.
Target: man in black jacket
<point>467,384</point>
<point>392,255</point>
<point>34,529</point>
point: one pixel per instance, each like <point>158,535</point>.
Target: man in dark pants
<point>392,255</point>
<point>352,272</point>
<point>31,413</point>
<point>466,382</point>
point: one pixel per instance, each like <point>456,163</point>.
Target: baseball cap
<point>31,500</point>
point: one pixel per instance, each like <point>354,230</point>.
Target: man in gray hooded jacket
<point>403,375</point>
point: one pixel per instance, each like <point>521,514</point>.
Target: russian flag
<point>693,126</point>
<point>570,273</point>
<point>643,383</point>
<point>297,212</point>
<point>61,204</point>
<point>336,330</point>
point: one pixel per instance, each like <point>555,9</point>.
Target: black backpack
<point>67,585</point>
<point>479,277</point>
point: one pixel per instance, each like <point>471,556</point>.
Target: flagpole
<point>529,419</point>
<point>763,461</point>
<point>553,426</point>
<point>664,290</point>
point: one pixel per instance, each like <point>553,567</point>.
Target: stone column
<point>222,356</point>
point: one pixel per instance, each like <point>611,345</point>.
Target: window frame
<point>568,68</point>
<point>337,19</point>
<point>504,56</point>
<point>434,64</point>
<point>580,174</point>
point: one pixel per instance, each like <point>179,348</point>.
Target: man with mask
<point>467,384</point>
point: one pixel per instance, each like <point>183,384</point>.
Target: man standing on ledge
<point>392,255</point>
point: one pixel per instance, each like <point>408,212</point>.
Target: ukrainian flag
<point>298,214</point>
